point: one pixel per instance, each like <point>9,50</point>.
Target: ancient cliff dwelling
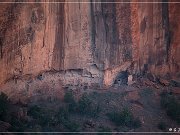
<point>90,66</point>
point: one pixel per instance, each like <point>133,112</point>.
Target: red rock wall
<point>25,47</point>
<point>95,40</point>
<point>152,28</point>
<point>174,50</point>
<point>152,38</point>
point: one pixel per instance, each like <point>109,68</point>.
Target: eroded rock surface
<point>87,43</point>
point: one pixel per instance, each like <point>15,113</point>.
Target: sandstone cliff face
<point>174,49</point>
<point>153,38</point>
<point>88,42</point>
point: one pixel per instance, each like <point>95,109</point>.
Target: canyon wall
<point>87,43</point>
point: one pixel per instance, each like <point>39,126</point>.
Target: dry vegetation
<point>115,110</point>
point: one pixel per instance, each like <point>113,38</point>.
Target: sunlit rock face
<point>87,43</point>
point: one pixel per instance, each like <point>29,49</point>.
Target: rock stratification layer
<point>88,43</point>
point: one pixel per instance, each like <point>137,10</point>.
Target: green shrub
<point>17,125</point>
<point>35,111</point>
<point>171,105</point>
<point>104,130</point>
<point>68,97</point>
<point>84,104</point>
<point>87,107</point>
<point>136,123</point>
<point>46,119</point>
<point>4,102</point>
<point>162,126</point>
<point>62,114</point>
<point>124,118</point>
<point>95,110</point>
<point>71,126</point>
<point>42,116</point>
<point>72,107</point>
<point>63,118</point>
